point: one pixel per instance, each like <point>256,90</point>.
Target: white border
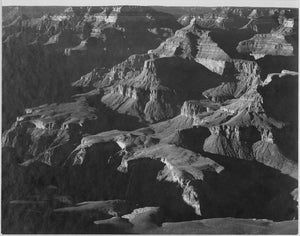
<point>200,3</point>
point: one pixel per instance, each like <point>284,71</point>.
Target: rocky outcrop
<point>266,44</point>
<point>244,128</point>
<point>247,76</point>
<point>159,90</point>
<point>86,81</point>
<point>30,45</point>
<point>193,108</point>
<point>160,162</point>
<point>52,128</point>
<point>215,21</point>
<point>124,15</point>
<point>131,67</point>
<point>177,172</point>
<point>269,154</point>
<point>261,24</point>
<point>260,20</point>
<point>164,166</point>
<point>46,133</point>
<point>231,90</point>
<point>205,47</point>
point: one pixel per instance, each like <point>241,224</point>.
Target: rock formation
<point>158,92</point>
<point>77,39</point>
<point>243,127</point>
<point>266,44</point>
<point>120,120</point>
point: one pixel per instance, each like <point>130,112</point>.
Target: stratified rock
<point>176,171</point>
<point>247,77</point>
<point>123,15</point>
<point>100,78</point>
<point>266,44</point>
<point>46,133</point>
<point>158,91</point>
<point>77,39</point>
<point>160,163</point>
<point>245,127</point>
<point>262,20</point>
<point>214,49</point>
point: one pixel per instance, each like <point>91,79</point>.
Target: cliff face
<point>46,133</point>
<point>278,41</point>
<point>260,20</point>
<point>159,90</point>
<point>243,128</point>
<point>266,44</point>
<point>136,15</point>
<point>199,178</point>
<point>247,76</point>
<point>146,91</point>
<point>211,48</point>
<point>30,45</point>
<point>127,69</point>
<point>163,155</point>
<point>52,128</point>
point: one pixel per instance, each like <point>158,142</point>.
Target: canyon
<point>132,119</point>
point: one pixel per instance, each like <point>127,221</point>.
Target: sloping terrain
<point>80,39</point>
<point>252,120</point>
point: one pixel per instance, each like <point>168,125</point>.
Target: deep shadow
<point>275,64</point>
<point>145,189</point>
<point>280,98</point>
<point>248,189</point>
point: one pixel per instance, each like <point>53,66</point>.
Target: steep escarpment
<point>174,169</point>
<point>28,80</point>
<point>246,127</point>
<point>100,78</point>
<point>193,45</point>
<point>160,165</point>
<point>159,90</point>
<point>134,89</point>
<point>247,76</point>
<point>76,39</point>
<point>219,49</point>
<point>46,133</point>
<point>214,49</point>
<point>214,21</point>
<point>10,13</point>
<point>134,29</point>
<point>266,44</point>
<point>256,19</point>
<point>280,41</point>
<point>165,171</point>
<point>124,15</point>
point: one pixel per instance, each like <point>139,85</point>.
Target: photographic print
<point>150,119</point>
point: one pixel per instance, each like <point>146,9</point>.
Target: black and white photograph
<point>149,117</point>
